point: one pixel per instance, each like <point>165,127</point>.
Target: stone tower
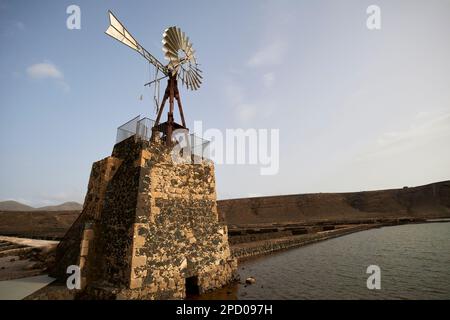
<point>149,228</point>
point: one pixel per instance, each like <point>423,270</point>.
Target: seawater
<point>414,261</point>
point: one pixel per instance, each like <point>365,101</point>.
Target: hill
<point>17,206</point>
<point>429,201</point>
<point>36,224</point>
<point>66,206</point>
<point>14,206</point>
<point>432,200</point>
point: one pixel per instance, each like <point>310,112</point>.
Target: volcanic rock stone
<point>149,228</point>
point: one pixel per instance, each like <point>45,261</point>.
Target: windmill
<point>182,66</point>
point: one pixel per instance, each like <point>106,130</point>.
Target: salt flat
<point>18,289</point>
<point>29,242</point>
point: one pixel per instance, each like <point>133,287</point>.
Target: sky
<point>356,109</point>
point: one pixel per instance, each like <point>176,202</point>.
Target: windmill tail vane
<point>182,65</point>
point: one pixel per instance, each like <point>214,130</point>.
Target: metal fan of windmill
<point>182,65</point>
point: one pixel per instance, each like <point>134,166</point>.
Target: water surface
<point>414,261</point>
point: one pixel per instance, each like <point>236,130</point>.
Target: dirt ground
<point>30,259</point>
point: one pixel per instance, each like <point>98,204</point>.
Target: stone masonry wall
<point>111,259</point>
<point>177,233</point>
<point>68,250</point>
<point>159,225</point>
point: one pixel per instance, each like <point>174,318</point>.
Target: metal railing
<point>127,130</point>
<point>199,146</point>
<point>142,129</point>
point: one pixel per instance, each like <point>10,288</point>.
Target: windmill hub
<point>182,65</point>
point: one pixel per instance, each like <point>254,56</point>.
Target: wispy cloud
<point>19,25</point>
<point>268,79</point>
<point>44,70</point>
<point>269,55</point>
<point>47,70</point>
<point>244,111</point>
<point>425,129</point>
<point>10,28</point>
<point>272,51</point>
<point>247,110</point>
<point>428,130</point>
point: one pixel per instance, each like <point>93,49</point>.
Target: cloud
<point>64,86</point>
<point>43,71</point>
<point>271,54</point>
<point>19,25</point>
<point>426,129</point>
<point>47,70</point>
<point>11,28</point>
<point>234,93</point>
<point>244,110</point>
<point>268,79</point>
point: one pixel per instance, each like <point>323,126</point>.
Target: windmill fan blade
<point>190,82</point>
<point>193,80</point>
<point>196,80</point>
<point>178,50</point>
<point>117,31</point>
<point>197,72</point>
<point>185,78</point>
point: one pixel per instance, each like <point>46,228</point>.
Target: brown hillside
<point>36,224</point>
<point>11,205</point>
<point>17,206</point>
<point>428,201</point>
